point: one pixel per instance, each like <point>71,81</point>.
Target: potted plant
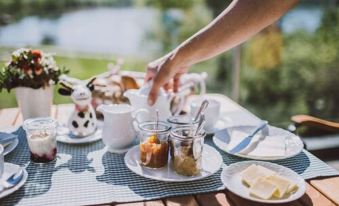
<point>32,74</point>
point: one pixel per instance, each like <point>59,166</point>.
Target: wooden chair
<point>320,136</point>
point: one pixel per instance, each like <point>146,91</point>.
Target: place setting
<point>179,155</point>
<point>170,148</point>
<point>12,176</point>
<point>260,142</point>
<point>260,181</point>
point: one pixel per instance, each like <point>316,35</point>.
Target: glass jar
<point>41,139</point>
<point>186,150</point>
<point>182,120</point>
<point>154,144</point>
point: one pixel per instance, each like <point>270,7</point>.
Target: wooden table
<point>321,191</point>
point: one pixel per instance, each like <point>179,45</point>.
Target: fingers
<point>149,76</point>
<point>161,78</point>
<point>152,68</point>
<point>153,94</point>
<point>150,73</point>
<point>176,82</point>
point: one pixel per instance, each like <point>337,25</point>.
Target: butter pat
<point>263,188</point>
<point>281,183</point>
<point>253,172</point>
<point>292,187</point>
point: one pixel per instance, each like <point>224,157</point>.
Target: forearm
<point>241,20</point>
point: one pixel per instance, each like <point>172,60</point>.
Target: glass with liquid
<point>41,139</point>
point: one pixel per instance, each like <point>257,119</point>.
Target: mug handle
<point>135,116</point>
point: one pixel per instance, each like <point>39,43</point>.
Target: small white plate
<point>231,177</point>
<point>11,146</point>
<point>293,143</point>
<point>211,163</point>
<point>64,136</point>
<point>9,170</point>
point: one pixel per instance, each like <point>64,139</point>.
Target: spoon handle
<point>201,110</point>
<point>157,120</point>
<point>200,125</point>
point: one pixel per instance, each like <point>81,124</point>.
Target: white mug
<point>119,126</point>
<point>211,113</point>
<point>2,162</point>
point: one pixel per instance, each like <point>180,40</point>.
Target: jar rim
<point>172,120</point>
<point>39,123</point>
<point>175,135</point>
<point>166,129</point>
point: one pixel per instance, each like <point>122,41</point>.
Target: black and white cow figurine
<point>83,121</point>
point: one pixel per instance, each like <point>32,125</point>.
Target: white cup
<point>119,126</point>
<point>211,113</point>
<point>2,162</point>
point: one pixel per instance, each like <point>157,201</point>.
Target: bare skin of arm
<point>237,23</point>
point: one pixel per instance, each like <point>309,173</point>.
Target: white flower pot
<point>34,102</point>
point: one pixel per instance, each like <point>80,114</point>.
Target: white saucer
<point>118,151</point>
<point>293,143</point>
<point>9,170</point>
<point>231,177</point>
<point>64,136</point>
<point>211,163</point>
<point>11,146</point>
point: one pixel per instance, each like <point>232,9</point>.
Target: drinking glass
<point>41,138</point>
<point>154,144</point>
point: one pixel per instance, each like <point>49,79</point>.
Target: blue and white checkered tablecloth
<point>87,174</point>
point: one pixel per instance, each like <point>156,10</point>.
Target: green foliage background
<point>303,80</point>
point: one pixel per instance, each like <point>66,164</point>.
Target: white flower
<point>19,51</point>
<point>48,62</point>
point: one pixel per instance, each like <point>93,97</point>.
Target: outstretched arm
<point>237,23</point>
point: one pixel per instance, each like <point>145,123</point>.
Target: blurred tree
<point>265,49</point>
<point>172,4</point>
<point>306,81</point>
<point>217,6</point>
<point>178,20</point>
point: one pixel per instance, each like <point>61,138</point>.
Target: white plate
<point>64,136</point>
<point>9,170</point>
<point>11,146</point>
<point>211,163</point>
<point>293,143</point>
<point>231,177</point>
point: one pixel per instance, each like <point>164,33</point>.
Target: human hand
<point>165,72</point>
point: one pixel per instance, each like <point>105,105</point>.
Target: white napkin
<point>260,146</point>
<point>270,146</point>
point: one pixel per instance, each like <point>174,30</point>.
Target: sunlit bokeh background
<point>292,67</point>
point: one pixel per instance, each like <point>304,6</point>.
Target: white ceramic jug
<point>119,126</point>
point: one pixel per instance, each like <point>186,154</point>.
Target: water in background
<point>121,31</point>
